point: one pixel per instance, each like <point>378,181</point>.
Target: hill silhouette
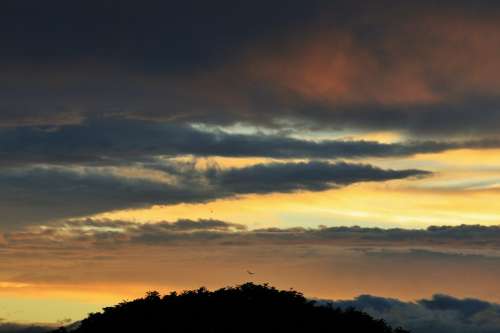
<point>245,308</point>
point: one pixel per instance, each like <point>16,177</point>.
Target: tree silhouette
<point>244,308</point>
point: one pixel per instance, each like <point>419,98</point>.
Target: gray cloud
<point>450,243</point>
<point>467,308</point>
<point>23,328</point>
<point>117,141</point>
<point>42,193</point>
<point>311,176</point>
<point>439,314</point>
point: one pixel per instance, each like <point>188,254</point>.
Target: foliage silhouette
<point>245,308</point>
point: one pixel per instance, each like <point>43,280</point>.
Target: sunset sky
<point>339,148</point>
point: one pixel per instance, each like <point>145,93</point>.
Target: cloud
<point>118,141</point>
<point>23,328</point>
<point>451,243</point>
<point>466,307</point>
<point>311,176</point>
<point>43,193</point>
<point>417,68</point>
<point>441,313</point>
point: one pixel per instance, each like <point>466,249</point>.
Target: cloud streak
<point>437,241</point>
<point>117,141</point>
<point>42,193</point>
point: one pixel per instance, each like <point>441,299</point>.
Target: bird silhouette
<point>250,273</point>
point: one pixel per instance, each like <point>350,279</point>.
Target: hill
<point>245,308</point>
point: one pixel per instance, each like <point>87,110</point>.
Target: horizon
<point>435,314</point>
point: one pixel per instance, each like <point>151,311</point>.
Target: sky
<point>341,148</point>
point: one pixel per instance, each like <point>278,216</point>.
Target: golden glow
<point>8,285</point>
<point>480,159</point>
<point>365,204</point>
<point>462,190</point>
<point>333,272</point>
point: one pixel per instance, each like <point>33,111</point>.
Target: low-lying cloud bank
<point>420,242</point>
<point>441,313</point>
<point>23,328</point>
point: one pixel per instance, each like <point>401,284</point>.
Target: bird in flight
<point>250,273</point>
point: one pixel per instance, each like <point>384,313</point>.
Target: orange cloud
<point>334,68</point>
<point>423,60</point>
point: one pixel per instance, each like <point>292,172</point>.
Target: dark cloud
<point>441,313</point>
<point>118,141</point>
<point>153,233</point>
<point>419,66</point>
<point>23,328</point>
<point>466,307</point>
<point>179,36</point>
<point>42,193</point>
<point>311,176</point>
<point>463,235</point>
<point>38,194</point>
<point>165,232</point>
<point>152,36</point>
